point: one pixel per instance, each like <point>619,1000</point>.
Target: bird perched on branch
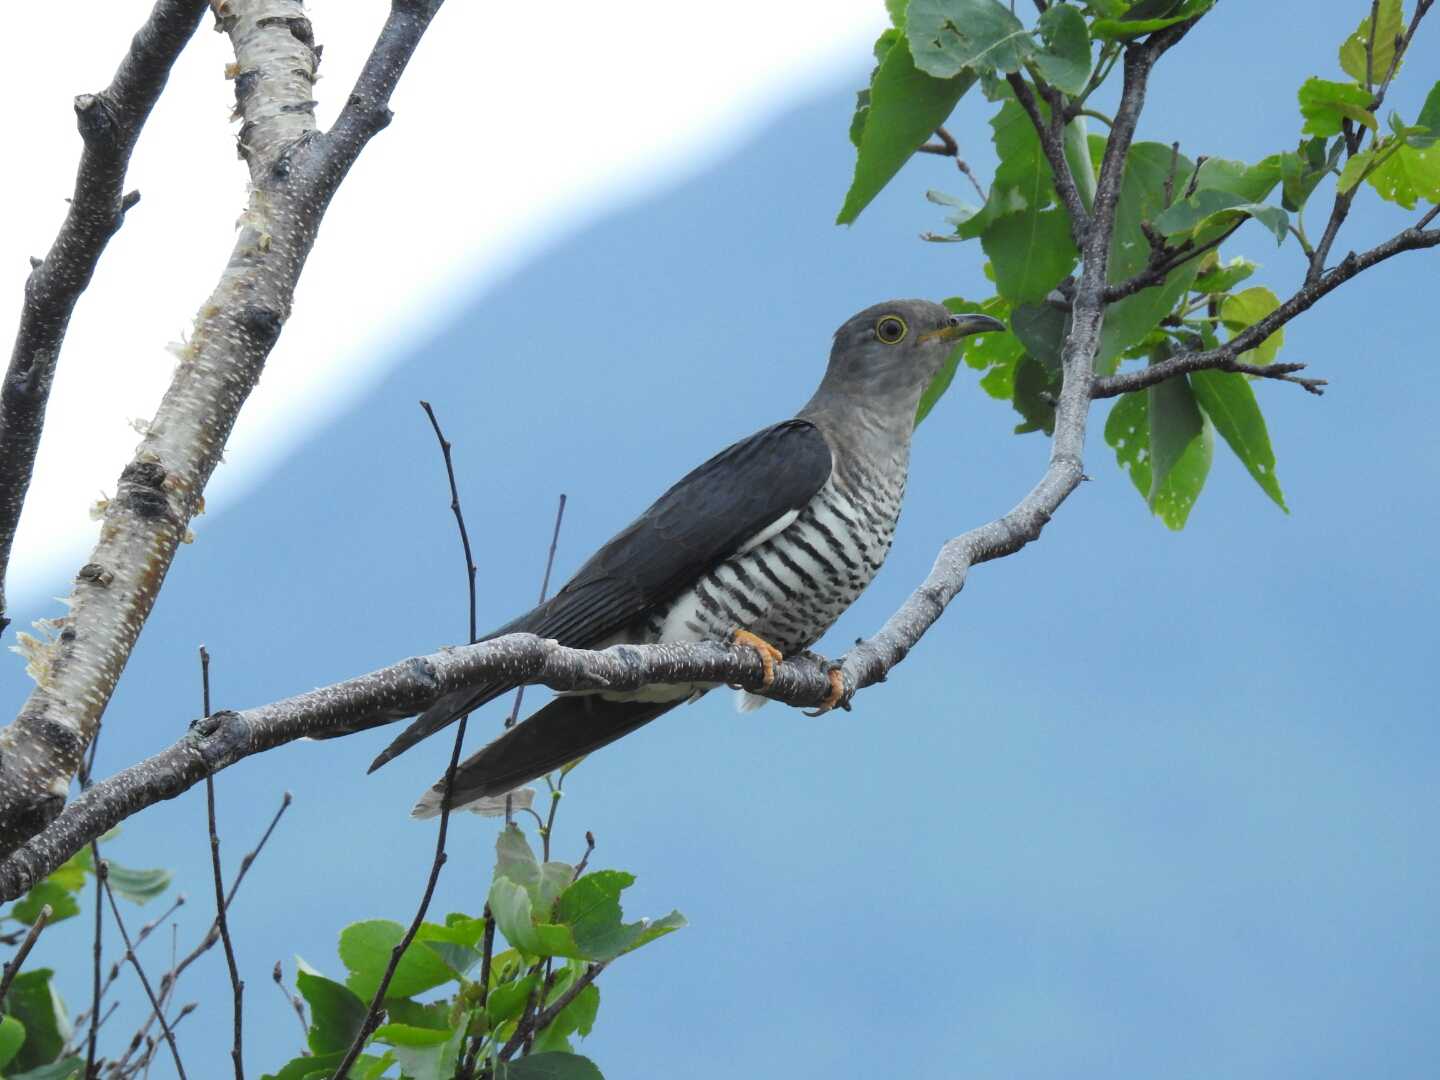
<point>766,544</point>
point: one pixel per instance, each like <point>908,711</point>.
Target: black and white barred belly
<point>792,581</point>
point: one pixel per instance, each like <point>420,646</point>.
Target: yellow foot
<point>769,654</point>
<point>837,691</point>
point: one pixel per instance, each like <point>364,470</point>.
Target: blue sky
<point>1140,804</point>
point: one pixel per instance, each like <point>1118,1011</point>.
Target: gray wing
<point>698,523</point>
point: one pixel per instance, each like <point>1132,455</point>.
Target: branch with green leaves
<point>1173,305</point>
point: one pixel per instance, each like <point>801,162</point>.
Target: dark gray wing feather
<point>701,521</point>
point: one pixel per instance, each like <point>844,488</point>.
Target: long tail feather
<point>569,727</point>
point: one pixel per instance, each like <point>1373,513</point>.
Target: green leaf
<point>33,1001</point>
<point>1246,308</point>
<point>1130,26</point>
<point>1148,168</point>
<point>591,908</point>
<point>1065,58</point>
<point>1407,175</point>
<point>71,874</point>
<point>302,1067</point>
<point>406,1035</point>
<point>1324,104</point>
<point>56,1070</point>
<point>435,1015</point>
<point>951,36</point>
<point>460,959</point>
<point>1031,252</point>
<point>1181,448</point>
<point>510,904</point>
<point>1221,279</point>
<point>508,1000</point>
<point>365,951</point>
<point>12,1035</point>
<point>136,885</point>
<point>335,1012</point>
<point>1041,329</point>
<point>1034,396</point>
<point>1429,117</point>
<point>435,1062</point>
<point>515,861</point>
<point>1228,400</point>
<point>1251,182</point>
<point>550,1067</point>
<point>896,10</point>
<point>905,106</point>
<point>1382,31</point>
<point>1209,210</point>
<point>1302,169</point>
<point>62,904</point>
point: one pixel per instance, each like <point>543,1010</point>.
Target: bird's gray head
<point>884,357</point>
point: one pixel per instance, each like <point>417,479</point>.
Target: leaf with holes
<point>951,36</point>
<point>1227,398</point>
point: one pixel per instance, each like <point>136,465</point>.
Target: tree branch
<point>294,172</point>
<point>110,123</point>
<point>409,687</point>
<point>1224,358</point>
<point>1052,143</point>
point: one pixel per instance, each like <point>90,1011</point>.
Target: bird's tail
<point>569,727</point>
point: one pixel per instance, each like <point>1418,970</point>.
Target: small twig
<point>1163,260</point>
<point>584,859</point>
<point>544,591</point>
<point>529,1025</point>
<point>212,935</point>
<point>103,873</point>
<point>377,1002</point>
<point>12,967</point>
<point>237,985</point>
<point>96,956</point>
<point>278,975</point>
<point>1052,144</point>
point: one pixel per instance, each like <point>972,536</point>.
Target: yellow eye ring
<point>891,329</point>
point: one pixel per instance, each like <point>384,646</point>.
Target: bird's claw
<point>769,654</point>
<point>837,692</point>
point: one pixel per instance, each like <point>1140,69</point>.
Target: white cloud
<point>508,131</point>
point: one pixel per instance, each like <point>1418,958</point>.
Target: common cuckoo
<point>766,543</point>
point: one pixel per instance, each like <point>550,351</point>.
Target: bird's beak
<point>964,326</point>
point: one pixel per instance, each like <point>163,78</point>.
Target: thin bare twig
<point>103,873</point>
<point>948,147</point>
<point>377,1002</point>
<point>520,690</point>
<point>12,966</point>
<point>237,985</point>
<point>278,975</point>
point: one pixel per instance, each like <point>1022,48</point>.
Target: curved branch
<point>294,172</point>
<point>110,123</point>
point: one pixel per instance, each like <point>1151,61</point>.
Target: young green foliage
<point>1173,289</point>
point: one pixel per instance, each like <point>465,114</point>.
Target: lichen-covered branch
<point>294,171</point>
<point>110,122</point>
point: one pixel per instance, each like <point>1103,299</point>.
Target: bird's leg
<point>769,654</point>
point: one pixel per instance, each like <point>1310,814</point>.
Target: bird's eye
<point>954,320</point>
<point>891,329</point>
